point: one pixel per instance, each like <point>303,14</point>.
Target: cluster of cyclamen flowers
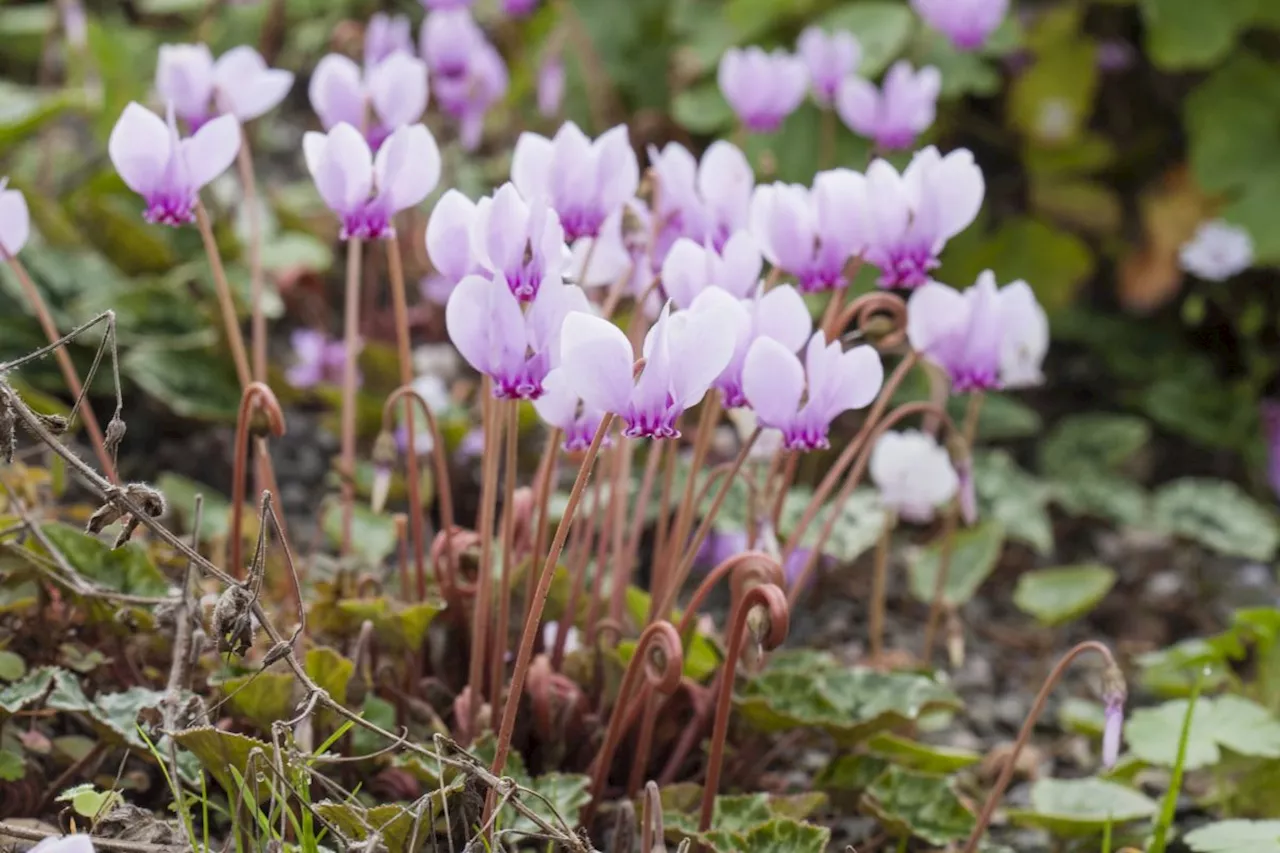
<point>763,88</point>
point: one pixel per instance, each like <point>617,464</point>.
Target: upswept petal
<point>956,186</point>
<point>596,261</point>
<point>247,88</point>
<point>596,359</point>
<point>211,150</point>
<point>336,92</point>
<point>618,171</point>
<point>781,314</point>
<point>934,313</point>
<point>702,346</point>
<point>858,105</point>
<point>685,272</point>
<point>342,167</point>
<point>860,374</point>
<point>558,405</point>
<point>15,220</point>
<point>448,235</point>
<point>544,321</point>
<point>407,166</point>
<point>1025,336</point>
<point>840,198</point>
<point>140,147</point>
<point>983,341</point>
<point>531,164</point>
<point>486,324</point>
<point>889,215</point>
<point>741,263</point>
<point>772,382</point>
<point>676,172</point>
<point>725,182</point>
<point>507,228</point>
<point>398,89</point>
<point>185,78</point>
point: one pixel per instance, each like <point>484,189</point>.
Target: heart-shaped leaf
<point>1058,595</point>
<point>910,803</point>
<point>1075,807</point>
<point>1218,515</point>
<point>1236,836</point>
<point>1223,722</point>
<point>974,555</point>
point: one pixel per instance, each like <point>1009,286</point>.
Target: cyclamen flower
<point>390,95</point>
<point>468,72</point>
<point>166,171</point>
<point>774,382</point>
<point>702,200</point>
<point>811,234</point>
<point>1218,251</point>
<point>966,23</point>
<point>689,268</point>
<point>239,83</point>
<point>723,545</point>
<point>366,191</point>
<point>562,408</point>
<point>386,35</point>
<point>893,115</point>
<point>318,359</point>
<point>448,40</point>
<point>519,8</point>
<point>779,314</point>
<point>984,337</point>
<point>15,220</point>
<point>913,473</point>
<point>584,180</point>
<point>515,348</point>
<point>830,57</point>
<point>520,243</point>
<point>907,219</point>
<point>763,88</point>
<point>684,353</point>
<point>551,81</point>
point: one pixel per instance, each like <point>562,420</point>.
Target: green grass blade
<point>1164,820</point>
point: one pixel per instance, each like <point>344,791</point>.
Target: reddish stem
<point>498,656</point>
<point>771,635</point>
<point>659,656</point>
<point>577,565</point>
<point>620,576</point>
<point>493,422</point>
<point>351,343</point>
<point>257,396</point>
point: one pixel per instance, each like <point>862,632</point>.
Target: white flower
<point>914,474</point>
<point>1218,251</point>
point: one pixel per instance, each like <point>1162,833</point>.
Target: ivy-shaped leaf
<point>1218,515</point>
<point>926,806</point>
<point>925,757</point>
<point>398,625</point>
<point>1095,440</point>
<point>1236,836</point>
<point>855,533</point>
<point>330,671</point>
<point>127,569</point>
<point>566,793</point>
<point>1223,722</point>
<point>1014,498</point>
<point>262,698</point>
<point>219,752</point>
<point>1061,594</point>
<point>1071,807</point>
<point>974,556</point>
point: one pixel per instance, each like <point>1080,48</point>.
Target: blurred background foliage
<point>1108,130</point>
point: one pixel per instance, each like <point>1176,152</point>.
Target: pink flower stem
<point>687,507</point>
<point>548,471</point>
<point>579,552</point>
<point>492,420</point>
<point>621,561</point>
<point>257,396</point>
<point>879,583</point>
<point>225,303</point>
<point>1024,735</point>
<point>498,657</point>
<point>351,343</point>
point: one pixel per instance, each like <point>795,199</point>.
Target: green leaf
<point>963,72</point>
<point>851,772</point>
<point>1224,722</point>
<point>1232,127</point>
<point>1184,34</point>
<point>855,533</point>
<point>12,666</point>
<point>127,569</point>
<point>397,625</point>
<point>28,691</point>
<point>215,516</point>
<point>12,766</point>
<point>925,757</point>
<point>373,536</point>
<point>1235,836</point>
<point>702,109</point>
<point>116,714</point>
<point>1081,716</point>
<point>24,111</point>
<point>883,29</point>
<point>925,806</point>
<point>566,793</point>
<point>1097,441</point>
<point>757,822</point>
<point>394,824</point>
<point>782,835</point>
<point>1075,807</point>
<point>1002,417</point>
<point>1014,498</point>
<point>262,698</point>
<point>1051,102</point>
<point>813,690</point>
<point>220,751</point>
<point>1088,492</point>
<point>1059,595</point>
<point>192,383</point>
<point>1218,515</point>
<point>88,802</point>
<point>331,671</point>
<point>974,556</point>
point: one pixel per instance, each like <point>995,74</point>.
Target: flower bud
<point>1113,694</point>
<point>384,458</point>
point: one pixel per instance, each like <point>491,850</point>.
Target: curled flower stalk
<point>257,396</point>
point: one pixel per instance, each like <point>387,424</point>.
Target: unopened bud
<point>1114,693</point>
<point>56,424</point>
<point>955,639</point>
<point>114,434</point>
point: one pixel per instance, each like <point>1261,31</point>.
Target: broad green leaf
<point>566,793</point>
<point>219,752</point>
<point>1014,498</point>
<point>1185,34</point>
<point>883,29</point>
<point>1051,102</point>
<point>850,704</point>
<point>24,110</point>
<point>262,698</point>
<point>1099,494</point>
<point>88,802</point>
<point>330,670</point>
<point>30,690</point>
<point>1235,836</point>
<point>373,536</point>
<point>1058,595</point>
<point>782,835</point>
<point>393,823</point>
<point>1251,210</point>
<point>1002,417</point>
<point>1223,722</point>
<point>793,153</point>
<point>398,625</point>
<point>1077,807</point>
<point>127,569</point>
<point>974,556</point>
<point>1095,440</point>
<point>854,534</point>
<point>193,383</point>
<point>761,822</point>
<point>910,803</point>
<point>702,109</point>
<point>215,516</point>
<point>851,772</point>
<point>1218,515</point>
<point>1082,716</point>
<point>1231,121</point>
<point>12,666</point>
<point>925,757</point>
<point>116,714</point>
<point>12,766</point>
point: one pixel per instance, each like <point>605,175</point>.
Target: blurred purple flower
<point>913,473</point>
<point>895,114</point>
<point>978,336</point>
<point>388,96</point>
<point>446,5</point>
<point>966,23</point>
<point>1218,251</point>
<point>763,88</point>
<point>75,23</point>
<point>779,314</point>
<point>1112,731</point>
<point>386,35</point>
<point>585,181</point>
<point>1115,55</point>
<point>471,446</point>
<point>1271,434</point>
<point>467,71</point>
<point>702,200</point>
<point>519,8</point>
<point>166,171</point>
<point>239,83</point>
<point>15,220</point>
<point>811,234</point>
<point>366,191</point>
<point>721,545</point>
<point>560,407</point>
<point>448,41</point>
<point>968,491</point>
<point>516,349</point>
<point>907,219</point>
<point>830,57</point>
<point>690,268</point>
<point>436,288</point>
<point>551,81</point>
<point>317,359</point>
<point>774,381</point>
<point>685,353</point>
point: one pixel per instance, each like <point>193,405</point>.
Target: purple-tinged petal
<point>15,220</point>
<point>342,167</point>
<point>741,263</point>
<point>449,237</point>
<point>966,23</point>
<point>858,104</point>
<point>913,473</point>
<point>618,171</point>
<point>829,58</point>
<point>558,405</point>
<point>686,272</point>
<point>211,150</point>
<point>546,315</point>
<point>407,167</point>
<point>336,92</point>
<point>140,147</point>
<point>531,164</point>
<point>385,35</point>
<point>596,358</point>
<point>860,377</point>
<point>246,87</point>
<point>781,314</point>
<point>1026,336</point>
<point>449,40</point>
<point>398,90</point>
<point>185,78</point>
<point>725,184</point>
<point>702,342</point>
<point>934,314</point>
<point>773,381</point>
<point>486,324</point>
<point>551,83</point>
